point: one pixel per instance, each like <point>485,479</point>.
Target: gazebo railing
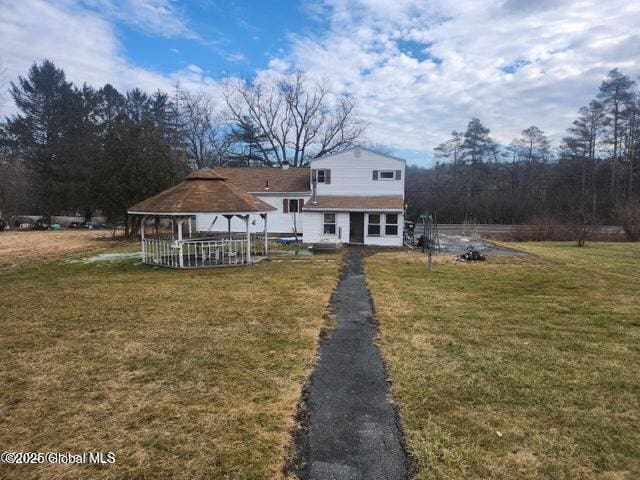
<point>201,252</point>
<point>161,252</point>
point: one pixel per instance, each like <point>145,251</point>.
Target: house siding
<point>314,230</point>
<point>314,227</point>
<point>351,175</point>
<point>278,222</point>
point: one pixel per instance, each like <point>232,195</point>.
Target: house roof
<point>360,147</point>
<point>204,191</point>
<point>254,179</point>
<point>353,202</point>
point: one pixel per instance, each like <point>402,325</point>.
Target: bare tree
<point>580,220</point>
<point>295,118</point>
<point>202,129</point>
<point>382,148</point>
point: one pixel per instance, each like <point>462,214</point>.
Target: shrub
<point>627,215</point>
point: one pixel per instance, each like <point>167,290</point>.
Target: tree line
<point>593,175</point>
<point>72,149</point>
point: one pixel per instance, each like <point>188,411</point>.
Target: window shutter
<point>327,176</point>
<point>398,174</point>
<point>285,205</point>
<point>375,174</point>
<point>300,204</point>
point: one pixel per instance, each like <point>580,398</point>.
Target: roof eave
<point>185,214</point>
<point>346,209</point>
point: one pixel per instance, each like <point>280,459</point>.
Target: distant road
<point>457,228</point>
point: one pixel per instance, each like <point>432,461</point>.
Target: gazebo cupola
<point>203,191</point>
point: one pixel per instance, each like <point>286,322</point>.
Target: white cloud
<point>512,63</point>
<point>83,43</point>
<point>155,17</point>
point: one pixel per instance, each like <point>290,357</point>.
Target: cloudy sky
<point>419,68</point>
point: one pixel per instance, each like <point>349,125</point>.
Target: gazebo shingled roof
<point>204,191</point>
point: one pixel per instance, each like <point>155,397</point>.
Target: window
<point>391,224</point>
<point>321,176</point>
<point>330,223</point>
<point>387,175</point>
<point>373,229</point>
<point>292,205</point>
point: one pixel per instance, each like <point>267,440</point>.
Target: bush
<point>540,228</point>
<point>627,215</point>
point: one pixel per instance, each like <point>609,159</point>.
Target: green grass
<point>183,375</point>
<point>544,349</point>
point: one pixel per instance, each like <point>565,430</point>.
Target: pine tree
<point>616,94</point>
<point>45,132</point>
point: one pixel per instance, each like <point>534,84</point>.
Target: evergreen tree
<point>616,94</point>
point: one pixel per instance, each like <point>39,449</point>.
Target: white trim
<point>272,193</point>
<point>375,210</point>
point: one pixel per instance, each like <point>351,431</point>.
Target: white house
<point>356,196</point>
<point>286,188</point>
<point>358,199</point>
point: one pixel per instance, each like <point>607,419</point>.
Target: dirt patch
<point>458,244</point>
<point>24,248</point>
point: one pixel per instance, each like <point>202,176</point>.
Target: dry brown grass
<point>542,348</point>
<point>185,375</point>
<point>25,248</point>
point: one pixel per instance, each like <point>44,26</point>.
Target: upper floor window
<point>387,175</point>
<point>321,176</point>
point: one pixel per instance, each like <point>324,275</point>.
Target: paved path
<point>353,433</point>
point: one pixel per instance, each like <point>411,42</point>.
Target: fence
<point>202,252</point>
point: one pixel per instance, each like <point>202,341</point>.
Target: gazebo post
<point>144,218</point>
<point>246,220</point>
<point>181,259</point>
<point>266,241</point>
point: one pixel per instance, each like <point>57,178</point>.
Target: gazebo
<point>203,191</point>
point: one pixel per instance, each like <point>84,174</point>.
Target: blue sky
<point>232,37</point>
<point>418,68</point>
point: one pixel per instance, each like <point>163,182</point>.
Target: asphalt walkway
<point>353,433</point>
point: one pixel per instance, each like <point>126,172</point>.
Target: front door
<point>356,227</point>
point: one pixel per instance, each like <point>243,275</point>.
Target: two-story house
<point>355,196</point>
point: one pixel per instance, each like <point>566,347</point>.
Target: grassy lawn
<point>18,249</point>
<point>524,367</point>
<point>185,375</point>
